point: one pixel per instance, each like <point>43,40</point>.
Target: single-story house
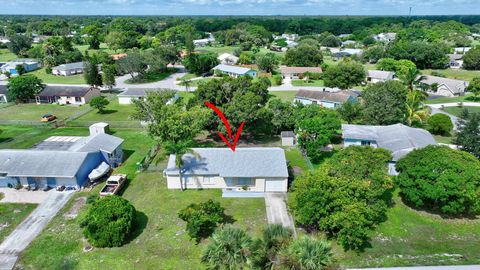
<point>338,54</point>
<point>246,169</point>
<point>456,60</point>
<point>68,69</point>
<point>234,71</point>
<point>288,138</point>
<point>4,40</point>
<point>227,59</point>
<point>297,72</point>
<point>327,99</point>
<point>462,50</point>
<point>445,86</point>
<point>398,138</point>
<point>201,42</point>
<point>59,160</point>
<point>374,76</point>
<point>77,95</point>
<point>3,93</point>
<point>116,57</point>
<point>28,65</point>
<point>348,43</point>
<point>128,95</point>
<point>385,37</point>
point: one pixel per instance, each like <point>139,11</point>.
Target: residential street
<point>30,228</point>
<point>169,82</point>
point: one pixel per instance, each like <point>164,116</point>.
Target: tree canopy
<point>346,74</point>
<point>384,103</point>
<point>23,88</point>
<point>304,56</point>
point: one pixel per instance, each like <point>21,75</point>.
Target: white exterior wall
<point>350,142</point>
<point>197,182</point>
<point>325,104</point>
<point>444,91</point>
<point>124,100</point>
<point>276,184</point>
<point>289,141</point>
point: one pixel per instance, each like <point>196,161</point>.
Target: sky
<point>240,7</point>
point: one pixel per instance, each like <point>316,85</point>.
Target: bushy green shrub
<point>277,79</point>
<point>439,124</point>
<point>440,178</point>
<point>108,221</point>
<point>203,218</point>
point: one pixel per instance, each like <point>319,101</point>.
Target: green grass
<point>49,78</point>
<point>229,49</point>
<point>459,74</point>
<point>103,47</point>
<point>310,83</point>
<point>6,55</point>
<point>113,112</point>
<point>466,98</point>
<point>296,160</point>
<point>195,83</point>
<point>443,139</point>
<point>412,237</point>
<point>284,95</point>
<point>457,111</point>
<point>11,214</point>
<point>34,112</point>
<point>150,77</point>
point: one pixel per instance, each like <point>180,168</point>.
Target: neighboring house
<point>77,95</point>
<point>338,54</point>
<point>445,86</point>
<point>344,36</point>
<point>288,138</point>
<point>130,94</point>
<point>246,169</point>
<point>227,59</point>
<point>201,42</point>
<point>59,160</point>
<point>4,40</point>
<point>374,76</point>
<point>294,73</point>
<point>398,139</point>
<point>291,43</point>
<point>116,57</point>
<point>385,37</point>
<point>3,94</point>
<point>68,69</point>
<point>234,71</point>
<point>456,60</point>
<point>327,99</point>
<point>462,50</point>
<point>348,43</point>
<point>28,65</point>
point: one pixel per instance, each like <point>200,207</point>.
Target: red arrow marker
<point>227,125</point>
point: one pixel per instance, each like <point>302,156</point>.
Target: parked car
<point>48,118</point>
<point>60,188</point>
<point>114,184</point>
<point>32,187</point>
<point>69,188</point>
<point>46,188</point>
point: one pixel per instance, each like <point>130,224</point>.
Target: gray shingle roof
<point>104,142</point>
<point>300,70</point>
<point>137,92</point>
<point>232,69</point>
<point>455,86</point>
<point>76,65</point>
<point>380,74</point>
<point>287,134</point>
<point>337,96</point>
<point>244,162</point>
<point>398,138</point>
<point>31,163</point>
<point>70,91</point>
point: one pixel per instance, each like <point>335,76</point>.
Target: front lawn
<point>318,83</point>
<point>195,83</point>
<point>459,74</point>
<point>6,55</point>
<point>150,77</point>
<point>296,160</point>
<point>466,98</point>
<point>443,139</point>
<point>229,49</point>
<point>457,111</point>
<point>11,214</point>
<point>284,95</point>
<point>411,237</point>
<point>33,112</point>
<point>160,241</point>
<point>114,113</point>
<point>49,78</point>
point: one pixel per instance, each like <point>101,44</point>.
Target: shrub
<point>202,219</point>
<point>440,178</point>
<point>439,124</point>
<point>277,79</point>
<point>99,103</point>
<point>48,70</point>
<point>108,221</point>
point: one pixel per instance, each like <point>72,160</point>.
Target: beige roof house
<point>297,72</point>
<point>445,86</point>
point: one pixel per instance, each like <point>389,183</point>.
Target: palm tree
<point>416,111</point>
<point>187,84</point>
<point>275,238</point>
<point>308,253</point>
<point>229,248</point>
<point>179,149</point>
<point>411,78</point>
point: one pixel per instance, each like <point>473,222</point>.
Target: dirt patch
<point>2,196</point>
<point>73,211</point>
<point>297,170</point>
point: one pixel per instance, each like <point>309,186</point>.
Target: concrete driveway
<point>30,228</point>
<point>277,211</point>
<point>24,196</point>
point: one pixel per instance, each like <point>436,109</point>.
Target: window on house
<point>366,143</point>
<point>244,181</point>
<point>208,180</point>
<point>78,99</point>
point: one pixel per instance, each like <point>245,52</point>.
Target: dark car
<point>46,188</point>
<point>60,188</point>
<point>48,118</point>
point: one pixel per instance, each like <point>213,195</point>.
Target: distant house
<point>4,40</point>
<point>348,43</point>
<point>385,37</point>
<point>76,95</point>
<point>374,76</point>
<point>28,65</point>
<point>327,99</point>
<point>3,93</point>
<point>204,41</point>
<point>59,160</point>
<point>246,169</point>
<point>445,86</point>
<point>234,71</point>
<point>462,50</point>
<point>398,139</point>
<point>456,60</point>
<point>339,54</point>
<point>288,138</point>
<point>116,57</point>
<point>68,69</point>
<point>294,73</point>
<point>227,59</point>
<point>130,94</point>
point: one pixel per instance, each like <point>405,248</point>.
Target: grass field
<point>310,83</point>
<point>412,237</point>
<point>6,55</point>
<point>459,74</point>
<point>466,98</point>
<point>458,110</point>
<point>296,160</point>
<point>113,112</point>
<point>150,77</point>
<point>49,78</point>
<point>34,112</point>
<point>11,214</point>
<point>103,47</point>
<point>229,49</point>
<point>284,95</point>
<point>443,139</point>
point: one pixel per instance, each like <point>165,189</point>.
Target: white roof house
<point>462,50</point>
<point>385,37</point>
<point>227,59</point>
<point>235,71</point>
<point>445,86</point>
<point>68,69</point>
<point>128,95</point>
<point>375,76</point>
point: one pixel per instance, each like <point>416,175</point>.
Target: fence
<point>113,124</point>
<point>28,123</point>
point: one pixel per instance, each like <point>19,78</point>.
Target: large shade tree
<point>384,103</point>
<point>24,87</point>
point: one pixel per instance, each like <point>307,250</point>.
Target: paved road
<point>30,228</point>
<point>453,267</point>
<point>169,82</point>
<point>455,104</point>
<point>277,212</point>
